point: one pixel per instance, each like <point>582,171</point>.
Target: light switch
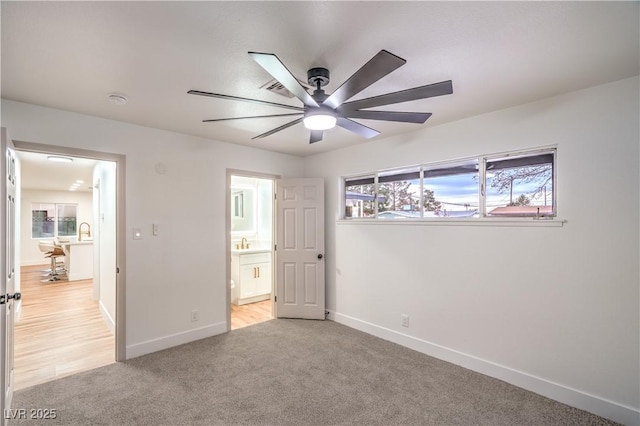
<point>156,229</point>
<point>137,234</point>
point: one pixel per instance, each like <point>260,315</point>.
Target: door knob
<point>320,256</point>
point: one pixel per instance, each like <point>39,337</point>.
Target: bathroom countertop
<point>250,250</point>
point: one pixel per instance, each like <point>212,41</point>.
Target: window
<point>399,194</point>
<point>360,196</point>
<point>520,184</point>
<point>53,220</point>
<point>452,190</point>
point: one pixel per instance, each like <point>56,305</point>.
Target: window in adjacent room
<point>49,220</point>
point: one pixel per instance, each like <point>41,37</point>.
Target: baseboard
<point>167,342</point>
<point>573,397</point>
<point>107,317</point>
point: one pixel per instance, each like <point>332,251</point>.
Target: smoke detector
<point>118,98</point>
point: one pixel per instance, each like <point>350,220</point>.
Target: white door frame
<point>119,159</point>
<point>227,204</point>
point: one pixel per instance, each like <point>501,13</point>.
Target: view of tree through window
<point>515,185</point>
<point>359,197</point>
<point>399,193</point>
<point>521,186</point>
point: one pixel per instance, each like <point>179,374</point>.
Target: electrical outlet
<point>404,320</point>
<point>195,316</point>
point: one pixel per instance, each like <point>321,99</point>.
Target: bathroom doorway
<point>250,245</point>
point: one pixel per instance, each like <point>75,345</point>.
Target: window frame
<point>56,218</point>
<point>482,211</point>
<point>523,154</point>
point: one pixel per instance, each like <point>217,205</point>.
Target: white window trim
<point>55,228</point>
<point>482,220</point>
<point>547,222</point>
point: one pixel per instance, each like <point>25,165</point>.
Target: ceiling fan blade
<point>380,65</point>
<point>276,68</point>
<point>237,98</point>
<point>404,117</point>
<point>357,128</point>
<point>422,92</point>
<point>277,129</point>
<point>316,136</point>
<point>252,116</point>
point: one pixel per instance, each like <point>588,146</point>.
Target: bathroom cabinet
<point>251,273</point>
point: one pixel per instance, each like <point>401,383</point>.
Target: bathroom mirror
<point>238,204</point>
<point>242,210</point>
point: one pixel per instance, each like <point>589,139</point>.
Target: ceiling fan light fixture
<point>320,119</point>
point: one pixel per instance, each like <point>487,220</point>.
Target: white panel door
<point>8,271</point>
<point>300,248</point>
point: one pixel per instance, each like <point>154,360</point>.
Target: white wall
<point>179,182</point>
<point>552,309</point>
<point>265,212</point>
<point>104,234</point>
<point>29,252</point>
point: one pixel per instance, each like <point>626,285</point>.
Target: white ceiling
<point>70,55</point>
<point>37,172</point>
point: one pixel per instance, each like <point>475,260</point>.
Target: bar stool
<point>56,253</point>
<point>47,247</point>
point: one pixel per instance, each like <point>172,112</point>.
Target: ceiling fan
<point>323,112</point>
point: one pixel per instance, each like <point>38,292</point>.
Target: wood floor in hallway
<point>60,331</point>
<point>250,314</point>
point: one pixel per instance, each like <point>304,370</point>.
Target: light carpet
<point>291,372</point>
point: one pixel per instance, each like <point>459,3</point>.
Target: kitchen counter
<point>79,259</point>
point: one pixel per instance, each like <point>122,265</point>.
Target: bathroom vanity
<point>251,274</point>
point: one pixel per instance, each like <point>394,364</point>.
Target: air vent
<point>276,87</point>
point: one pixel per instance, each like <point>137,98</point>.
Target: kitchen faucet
<point>81,232</point>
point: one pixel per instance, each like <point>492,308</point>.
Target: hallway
<point>60,332</point>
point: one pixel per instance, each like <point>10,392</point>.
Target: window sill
<point>510,222</point>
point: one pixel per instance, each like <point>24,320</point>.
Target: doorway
<point>250,243</point>
<point>87,317</point>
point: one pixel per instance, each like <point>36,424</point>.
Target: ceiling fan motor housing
<point>318,77</point>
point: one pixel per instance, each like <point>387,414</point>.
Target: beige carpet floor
<point>290,372</point>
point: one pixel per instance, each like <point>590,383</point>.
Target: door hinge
<point>275,298</point>
<point>117,270</point>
